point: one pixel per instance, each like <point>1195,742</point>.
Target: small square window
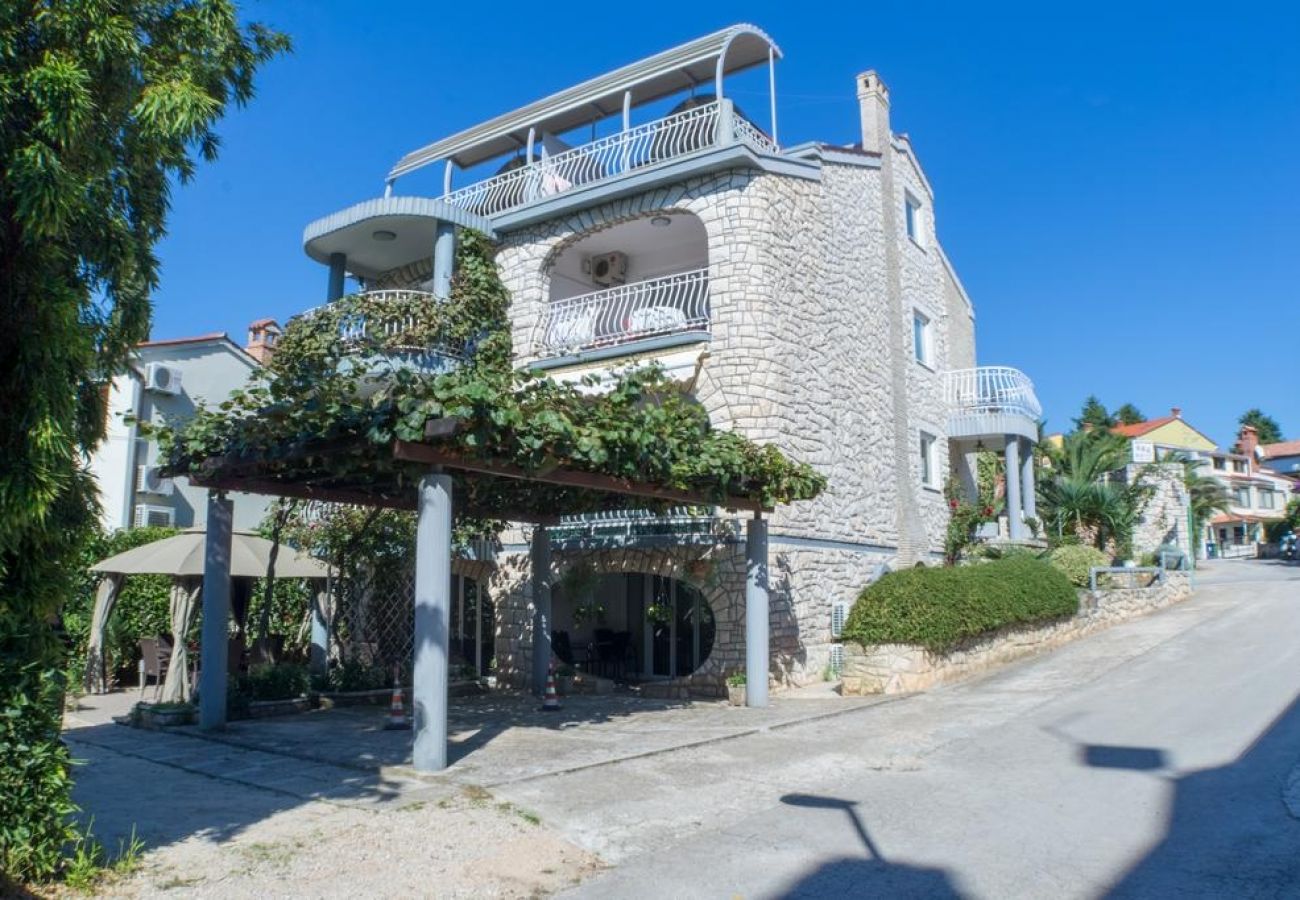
<point>1241,496</point>
<point>921,337</point>
<point>928,466</point>
<point>912,217</point>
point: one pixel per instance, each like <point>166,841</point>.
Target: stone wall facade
<point>1165,516</point>
<point>904,668</point>
<point>812,288</point>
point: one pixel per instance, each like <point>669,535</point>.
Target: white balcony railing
<point>991,389</point>
<point>654,142</point>
<point>673,304</point>
<point>394,332</point>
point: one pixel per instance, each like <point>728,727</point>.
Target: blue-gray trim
<point>712,159</point>
<point>824,153</point>
<point>631,347</point>
<point>416,207</point>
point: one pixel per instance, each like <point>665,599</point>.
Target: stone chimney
<point>262,337</point>
<point>1248,440</point>
<point>873,105</point>
<point>1176,412</point>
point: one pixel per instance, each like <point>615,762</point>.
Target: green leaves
<point>637,425</point>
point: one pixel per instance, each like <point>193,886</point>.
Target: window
<point>921,337</point>
<point>1241,496</point>
<point>912,216</point>
<point>928,467</point>
<point>1219,463</point>
<point>1266,499</point>
<point>1238,465</point>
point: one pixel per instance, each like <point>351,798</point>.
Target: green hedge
<point>1077,562</point>
<point>939,608</point>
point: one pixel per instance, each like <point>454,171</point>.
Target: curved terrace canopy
<point>697,62</point>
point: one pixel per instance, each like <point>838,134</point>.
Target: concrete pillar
<point>216,612</point>
<point>432,623</point>
<point>444,259</point>
<point>968,473</point>
<point>541,607</point>
<point>756,612</point>
<point>320,632</point>
<point>338,276</point>
<point>1014,513</point>
<point>1028,493</point>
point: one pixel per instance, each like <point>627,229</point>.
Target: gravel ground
<point>470,846</point>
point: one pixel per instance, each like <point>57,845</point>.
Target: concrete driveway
<point>1157,759</point>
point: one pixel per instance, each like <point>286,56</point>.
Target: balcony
<point>637,149</point>
<point>991,401</point>
<point>382,332</point>
<point>644,528</point>
<point>674,306</point>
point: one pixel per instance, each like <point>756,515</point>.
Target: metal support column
<point>432,622</point>
<point>444,259</point>
<point>541,608</point>
<point>756,612</point>
<point>216,612</point>
<point>338,275</point>
<point>1014,523</point>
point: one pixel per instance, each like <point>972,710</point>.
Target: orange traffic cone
<point>397,720</point>
<point>550,697</point>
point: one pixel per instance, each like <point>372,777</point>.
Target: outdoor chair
<point>155,657</point>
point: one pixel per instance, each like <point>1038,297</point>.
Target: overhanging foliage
<point>310,423</point>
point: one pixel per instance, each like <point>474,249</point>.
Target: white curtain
<point>184,603</point>
<point>96,678</point>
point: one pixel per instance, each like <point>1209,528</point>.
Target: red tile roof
<point>1137,429</point>
<point>1283,448</point>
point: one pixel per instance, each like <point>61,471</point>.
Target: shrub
<point>939,608</point>
<point>353,675</point>
<point>278,681</point>
<point>1076,561</point>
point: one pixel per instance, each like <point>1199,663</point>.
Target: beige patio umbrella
<point>181,556</point>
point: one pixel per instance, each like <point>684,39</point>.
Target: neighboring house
<point>163,383</point>
<point>1259,494</point>
<point>799,293</point>
<point>1283,458</point>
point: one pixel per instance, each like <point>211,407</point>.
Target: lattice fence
<point>375,613</point>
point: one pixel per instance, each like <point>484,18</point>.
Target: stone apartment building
<point>799,293</point>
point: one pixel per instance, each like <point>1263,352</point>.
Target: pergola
<point>428,478</point>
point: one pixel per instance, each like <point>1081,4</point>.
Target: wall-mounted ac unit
<point>148,515</point>
<point>607,268</point>
<point>150,480</point>
<point>839,614</point>
<point>162,379</point>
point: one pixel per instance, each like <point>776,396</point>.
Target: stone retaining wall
<point>903,668</point>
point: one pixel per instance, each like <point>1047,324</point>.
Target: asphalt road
<point>1158,759</point>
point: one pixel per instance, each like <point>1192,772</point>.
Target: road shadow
<point>1230,832</point>
<point>870,876</point>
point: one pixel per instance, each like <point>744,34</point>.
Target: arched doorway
<point>632,626</point>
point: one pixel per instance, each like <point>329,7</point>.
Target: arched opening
<point>633,282</point>
<point>631,626</point>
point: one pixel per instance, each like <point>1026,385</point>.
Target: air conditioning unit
<point>148,515</point>
<point>150,480</point>
<point>839,614</point>
<point>607,268</point>
<point>162,379</point>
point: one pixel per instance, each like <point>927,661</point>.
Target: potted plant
<point>736,688</point>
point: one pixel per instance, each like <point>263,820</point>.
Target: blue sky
<point>1117,184</point>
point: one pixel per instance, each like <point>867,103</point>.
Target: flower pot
<point>736,694</point>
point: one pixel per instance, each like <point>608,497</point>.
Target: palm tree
<point>1079,495</point>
